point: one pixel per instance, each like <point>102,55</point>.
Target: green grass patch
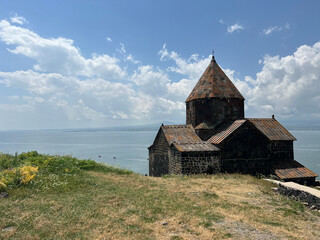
<point>272,223</point>
<point>38,171</point>
<point>210,195</point>
<point>70,198</point>
<point>287,211</point>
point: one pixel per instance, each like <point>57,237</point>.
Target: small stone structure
<point>305,194</point>
<point>218,138</point>
<point>177,149</point>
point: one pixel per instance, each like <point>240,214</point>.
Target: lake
<point>127,149</point>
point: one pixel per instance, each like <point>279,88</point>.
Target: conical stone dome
<point>214,83</point>
<point>214,99</point>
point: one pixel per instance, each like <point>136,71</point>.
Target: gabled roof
<point>269,127</point>
<point>225,130</point>
<point>272,129</point>
<point>214,83</point>
<point>184,138</point>
<point>291,170</point>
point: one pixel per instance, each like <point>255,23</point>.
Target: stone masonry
<point>305,194</point>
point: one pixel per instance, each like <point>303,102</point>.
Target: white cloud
<point>65,89</point>
<point>18,19</point>
<point>33,99</point>
<point>104,66</point>
<point>58,55</point>
<point>286,86</point>
<point>235,28</point>
<point>33,82</point>
<point>130,58</point>
<point>271,29</point>
<point>122,49</point>
<point>70,93</point>
<point>180,90</point>
<point>172,104</point>
<point>151,81</point>
<point>127,57</point>
<point>192,67</point>
<point>163,52</point>
<point>14,98</point>
<point>221,21</point>
<point>15,107</point>
<point>142,105</point>
<point>109,39</point>
<point>169,106</point>
<point>21,104</point>
<point>120,115</point>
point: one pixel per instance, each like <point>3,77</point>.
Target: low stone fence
<point>305,194</point>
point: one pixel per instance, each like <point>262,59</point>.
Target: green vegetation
<point>20,170</point>
<point>60,197</point>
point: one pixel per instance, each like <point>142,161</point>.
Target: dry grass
<point>113,206</point>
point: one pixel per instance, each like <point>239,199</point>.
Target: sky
<point>90,64</point>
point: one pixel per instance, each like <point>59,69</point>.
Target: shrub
<point>15,177</point>
<point>28,173</point>
<point>19,170</point>
<point>9,161</point>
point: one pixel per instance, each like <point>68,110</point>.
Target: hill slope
<point>99,205</point>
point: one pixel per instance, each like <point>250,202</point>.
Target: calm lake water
<point>127,149</point>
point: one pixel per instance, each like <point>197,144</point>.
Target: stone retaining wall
<point>305,194</point>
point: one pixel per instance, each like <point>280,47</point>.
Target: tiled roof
<point>184,138</point>
<point>180,134</point>
<point>269,127</point>
<point>225,130</point>
<point>195,147</point>
<point>291,170</point>
<point>272,129</point>
<point>214,83</point>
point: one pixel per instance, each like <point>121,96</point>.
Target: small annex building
<point>218,138</point>
<point>177,149</point>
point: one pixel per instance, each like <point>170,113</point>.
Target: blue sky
<point>68,64</point>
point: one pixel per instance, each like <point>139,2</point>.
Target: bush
<point>15,177</point>
<point>9,161</point>
<point>20,170</point>
<point>87,164</point>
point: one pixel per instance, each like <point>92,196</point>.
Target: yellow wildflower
<point>28,173</point>
<point>2,185</point>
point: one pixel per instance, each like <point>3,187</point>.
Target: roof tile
<point>272,129</point>
<point>214,83</point>
<point>184,138</point>
<point>291,170</point>
<point>225,130</point>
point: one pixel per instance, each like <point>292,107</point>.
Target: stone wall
<point>281,150</point>
<point>245,151</point>
<point>213,111</point>
<point>159,156</point>
<point>175,161</point>
<point>168,160</point>
<point>246,166</point>
<point>200,163</point>
<point>305,194</point>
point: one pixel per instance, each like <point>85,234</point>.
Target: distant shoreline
<point>152,127</point>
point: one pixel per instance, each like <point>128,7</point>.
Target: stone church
<point>217,138</point>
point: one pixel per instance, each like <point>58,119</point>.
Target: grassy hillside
<point>86,200</point>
